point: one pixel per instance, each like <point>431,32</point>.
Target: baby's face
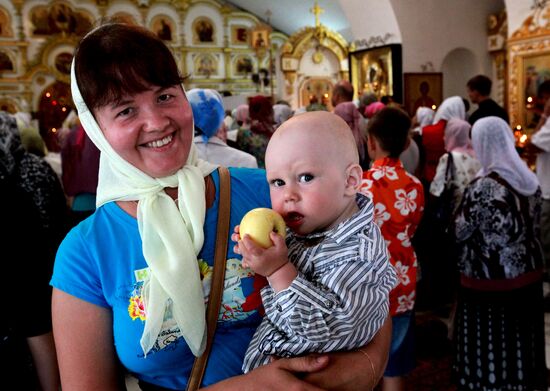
<point>308,178</point>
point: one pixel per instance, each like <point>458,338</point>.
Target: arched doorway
<point>316,90</point>
<point>54,106</point>
<point>459,65</point>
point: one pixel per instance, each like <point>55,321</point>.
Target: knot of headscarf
<point>171,236</point>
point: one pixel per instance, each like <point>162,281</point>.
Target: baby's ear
<point>354,174</point>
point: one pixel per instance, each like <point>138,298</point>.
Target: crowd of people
<point>387,213</point>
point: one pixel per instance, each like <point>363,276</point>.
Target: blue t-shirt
<point>101,261</point>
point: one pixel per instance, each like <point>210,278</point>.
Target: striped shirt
<point>338,301</point>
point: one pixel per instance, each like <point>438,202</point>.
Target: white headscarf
<point>452,107</point>
<point>172,236</point>
<point>281,113</point>
<point>424,116</point>
<point>494,146</point>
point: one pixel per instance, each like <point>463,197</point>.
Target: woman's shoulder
<point>249,184</point>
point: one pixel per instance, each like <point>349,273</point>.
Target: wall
<point>518,11</point>
<point>429,30</point>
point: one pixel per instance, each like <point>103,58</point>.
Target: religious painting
<point>259,38</point>
<point>62,63</point>
<point>123,17</point>
<point>535,71</point>
<point>203,31</point>
<point>206,65</point>
<point>59,18</point>
<point>377,70</point>
<point>5,24</point>
<point>243,66</point>
<point>163,27</point>
<point>422,89</point>
<point>239,35</point>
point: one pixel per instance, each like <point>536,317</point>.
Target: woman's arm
<point>84,341</point>
<point>343,371</point>
<point>283,374</point>
<point>353,370</point>
<point>42,349</point>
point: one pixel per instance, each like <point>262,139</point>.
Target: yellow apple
<point>259,223</point>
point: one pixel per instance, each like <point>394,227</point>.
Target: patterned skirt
<point>499,340</point>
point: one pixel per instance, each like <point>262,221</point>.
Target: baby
<point>329,283</point>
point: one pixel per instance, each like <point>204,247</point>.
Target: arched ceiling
<point>290,16</point>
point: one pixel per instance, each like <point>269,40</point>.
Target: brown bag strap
<point>218,276</point>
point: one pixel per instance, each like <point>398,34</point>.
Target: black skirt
<point>499,340</point>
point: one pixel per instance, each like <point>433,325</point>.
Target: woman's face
<point>152,130</point>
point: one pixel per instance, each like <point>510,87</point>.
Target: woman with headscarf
<point>33,210</point>
<point>133,277</point>
<point>499,321</point>
<point>254,139</point>
<point>432,135</point>
<point>281,113</point>
<point>458,146</point>
<point>424,116</point>
<point>349,113</point>
<point>454,172</point>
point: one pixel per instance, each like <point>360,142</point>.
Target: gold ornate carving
<point>537,24</point>
<point>518,52</point>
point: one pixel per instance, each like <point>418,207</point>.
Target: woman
<point>33,209</point>
<point>441,275</point>
<point>254,140</point>
<point>458,145</point>
<point>424,116</point>
<point>131,275</point>
<point>432,135</point>
<point>349,113</point>
<point>499,319</point>
<point>281,112</point>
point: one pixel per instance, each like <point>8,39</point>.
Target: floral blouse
<point>466,168</point>
<point>497,230</point>
<point>398,199</point>
<point>253,143</point>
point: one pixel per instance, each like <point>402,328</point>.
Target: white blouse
<point>466,168</point>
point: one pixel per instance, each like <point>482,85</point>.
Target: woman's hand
<point>283,374</point>
<point>354,370</point>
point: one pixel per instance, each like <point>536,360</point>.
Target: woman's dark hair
<point>390,126</point>
<point>119,59</point>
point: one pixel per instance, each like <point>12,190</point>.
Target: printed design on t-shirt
<point>241,295</point>
<point>241,298</point>
<point>136,308</point>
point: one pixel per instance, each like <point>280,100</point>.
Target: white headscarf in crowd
<point>494,145</point>
<point>172,236</point>
<point>457,136</point>
<point>424,116</point>
<point>452,107</point>
<point>281,113</point>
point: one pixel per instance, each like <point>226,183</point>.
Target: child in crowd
<point>398,199</point>
<point>329,283</point>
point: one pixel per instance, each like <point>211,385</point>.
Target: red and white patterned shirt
<point>398,199</point>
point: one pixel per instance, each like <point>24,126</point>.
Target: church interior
<point>388,47</point>
<point>419,53</point>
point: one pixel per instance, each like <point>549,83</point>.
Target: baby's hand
<point>261,261</point>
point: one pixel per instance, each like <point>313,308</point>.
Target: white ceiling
<point>289,16</point>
